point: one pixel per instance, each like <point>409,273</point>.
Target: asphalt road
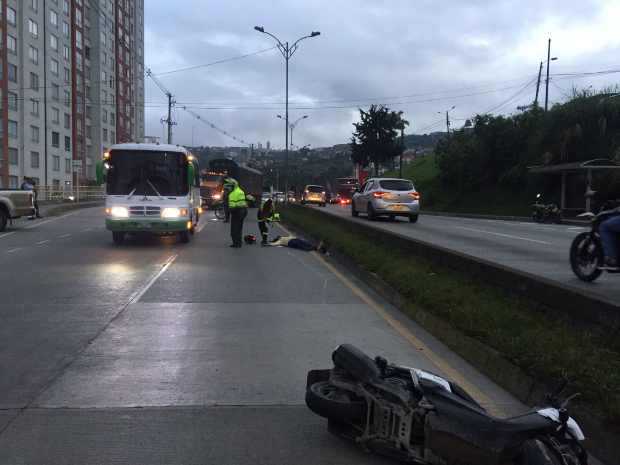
<point>540,249</point>
<point>162,353</point>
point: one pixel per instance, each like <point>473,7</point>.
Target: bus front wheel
<point>118,237</point>
<point>184,237</point>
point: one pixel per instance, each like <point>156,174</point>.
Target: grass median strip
<point>538,340</point>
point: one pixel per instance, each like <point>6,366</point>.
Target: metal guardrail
<point>70,194</point>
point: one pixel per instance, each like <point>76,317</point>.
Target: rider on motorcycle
<point>609,231</point>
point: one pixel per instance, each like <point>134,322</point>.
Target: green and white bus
<point>150,188</point>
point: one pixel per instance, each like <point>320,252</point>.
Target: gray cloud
<point>366,49</point>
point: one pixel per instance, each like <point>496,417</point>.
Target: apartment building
<point>72,84</point>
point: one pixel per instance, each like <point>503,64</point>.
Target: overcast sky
<point>421,57</point>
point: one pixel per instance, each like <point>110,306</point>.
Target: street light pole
<point>547,81</point>
<point>287,52</point>
<point>448,118</point>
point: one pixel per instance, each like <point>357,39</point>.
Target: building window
<point>56,161</point>
<point>55,92</point>
<point>112,118</point>
<point>12,97</point>
<point>67,98</point>
<point>34,4</point>
<point>12,129</point>
<point>13,156</point>
<point>78,40</point>
<point>54,66</point>
<point>104,116</point>
<point>67,121</point>
<point>65,6</point>
<point>34,81</point>
<point>78,17</point>
<point>112,137</point>
<point>34,107</point>
<point>11,44</point>
<point>105,135</point>
<point>33,54</point>
<point>55,139</point>
<point>67,144</point>
<point>55,115</point>
<point>67,165</point>
<point>53,42</point>
<point>11,16</point>
<point>34,133</point>
<point>12,72</point>
<point>13,182</point>
<point>56,183</point>
<point>34,159</point>
<point>67,75</point>
<point>33,28</point>
<point>65,29</point>
<point>65,53</point>
<point>53,18</point>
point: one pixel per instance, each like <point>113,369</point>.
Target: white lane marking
<point>6,234</point>
<point>138,294</point>
<point>51,220</point>
<point>13,250</point>
<point>87,229</point>
<point>43,242</point>
<point>64,236</point>
<point>509,236</point>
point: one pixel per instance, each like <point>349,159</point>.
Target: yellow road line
<point>443,365</point>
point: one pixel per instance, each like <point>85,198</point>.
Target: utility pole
<point>547,81</point>
<point>538,84</point>
<point>400,161</point>
<point>171,102</point>
<point>448,122</point>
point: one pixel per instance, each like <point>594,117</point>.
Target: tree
<point>376,138</point>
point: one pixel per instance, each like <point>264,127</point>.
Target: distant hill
<point>423,140</point>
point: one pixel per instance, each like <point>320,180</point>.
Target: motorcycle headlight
<point>173,212</point>
<point>119,212</point>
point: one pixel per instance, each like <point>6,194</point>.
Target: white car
<point>389,197</point>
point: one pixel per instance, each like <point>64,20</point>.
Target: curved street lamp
<point>287,52</point>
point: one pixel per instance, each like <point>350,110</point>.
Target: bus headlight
<point>173,212</point>
<point>119,212</point>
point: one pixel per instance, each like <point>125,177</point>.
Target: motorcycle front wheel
<point>333,403</point>
<point>586,257</point>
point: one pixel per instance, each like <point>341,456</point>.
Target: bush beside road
<point>542,342</point>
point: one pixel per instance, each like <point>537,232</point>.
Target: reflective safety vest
<point>236,199</point>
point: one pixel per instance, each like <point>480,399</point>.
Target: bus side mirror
<point>100,172</point>
<point>191,174</point>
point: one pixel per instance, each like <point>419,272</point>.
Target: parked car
<point>279,197</point>
<point>389,197</point>
<point>14,204</point>
<point>314,194</point>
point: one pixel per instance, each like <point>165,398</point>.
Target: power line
<point>213,126</point>
<point>513,97</point>
<point>225,60</point>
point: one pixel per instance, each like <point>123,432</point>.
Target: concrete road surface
<point>156,352</point>
<point>540,249</point>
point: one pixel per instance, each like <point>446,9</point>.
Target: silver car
<point>389,197</point>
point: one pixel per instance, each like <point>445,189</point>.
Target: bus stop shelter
<point>585,168</point>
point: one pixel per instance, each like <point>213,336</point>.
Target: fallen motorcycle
<point>545,212</point>
<point>419,417</point>
<point>586,250</point>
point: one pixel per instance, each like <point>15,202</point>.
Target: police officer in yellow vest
<point>238,207</point>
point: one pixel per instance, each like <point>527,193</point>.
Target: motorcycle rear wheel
<point>536,452</point>
<point>586,257</point>
<point>330,402</point>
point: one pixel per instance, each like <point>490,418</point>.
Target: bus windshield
<point>147,173</point>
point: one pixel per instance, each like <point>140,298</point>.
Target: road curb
<point>486,359</point>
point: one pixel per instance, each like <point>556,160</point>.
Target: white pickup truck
<point>14,204</point>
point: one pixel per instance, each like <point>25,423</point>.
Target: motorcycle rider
<point>610,230</point>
